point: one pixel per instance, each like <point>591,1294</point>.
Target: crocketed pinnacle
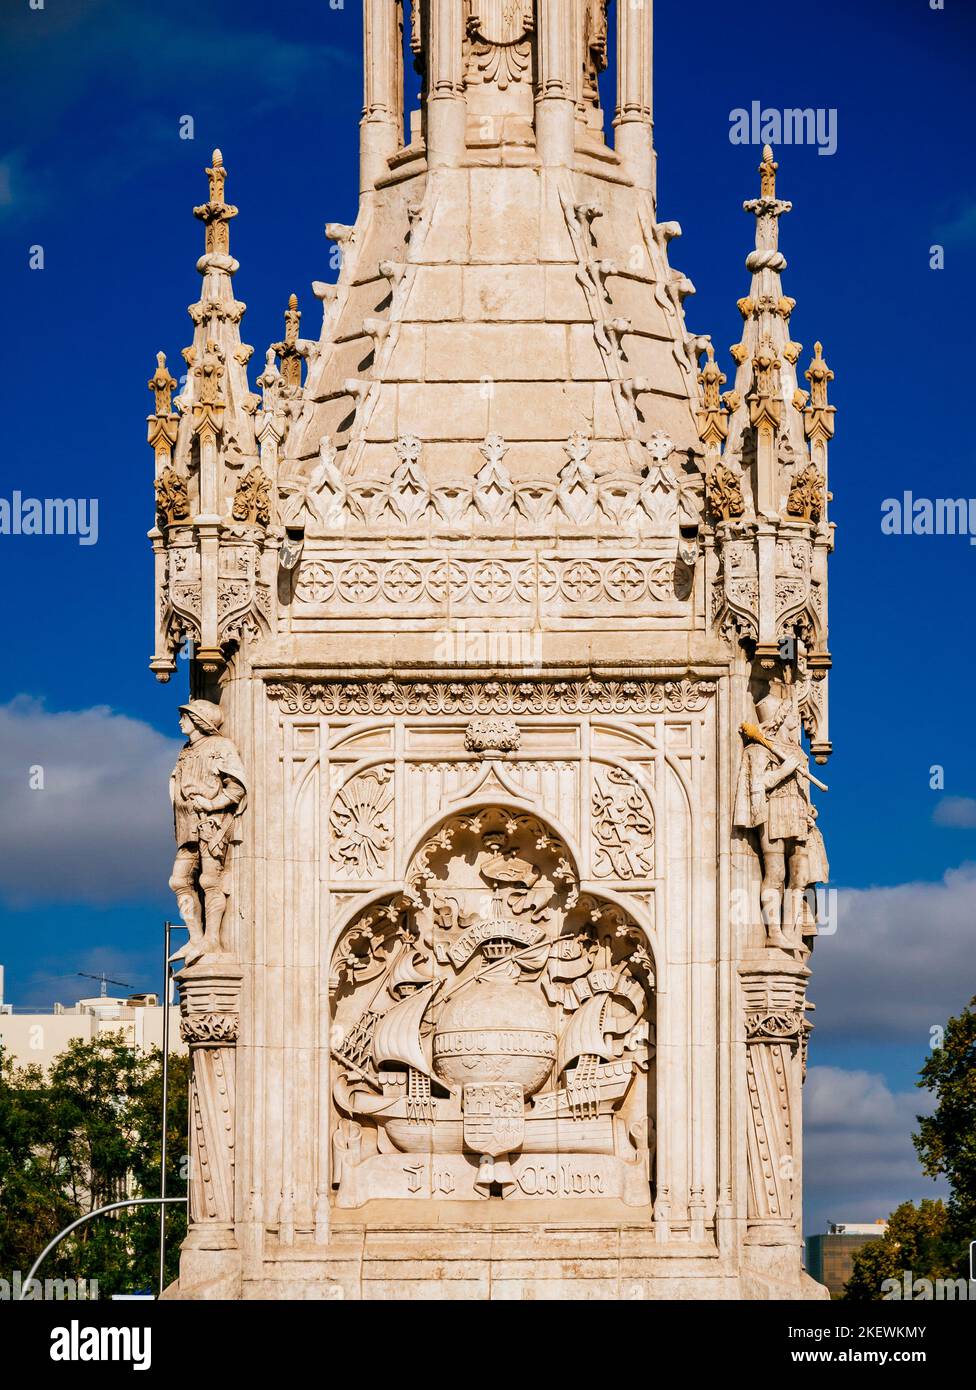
<point>216,213</point>
<point>766,355</point>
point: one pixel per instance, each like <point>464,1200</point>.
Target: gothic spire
<point>766,397</point>
<point>217,397</point>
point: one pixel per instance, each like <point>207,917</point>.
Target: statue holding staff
<point>773,797</point>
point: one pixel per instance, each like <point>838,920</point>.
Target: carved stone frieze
<point>491,697</point>
<point>400,583</point>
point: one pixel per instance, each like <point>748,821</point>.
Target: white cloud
<point>957,812</point>
<point>900,963</point>
<point>100,828</point>
<point>859,1162</point>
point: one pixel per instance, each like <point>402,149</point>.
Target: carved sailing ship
<point>396,1064</point>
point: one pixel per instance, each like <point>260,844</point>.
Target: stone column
<point>775,1027</point>
<point>210,1005</point>
<point>559,56</point>
<point>446,109</point>
<point>381,130</point>
<point>633,121</point>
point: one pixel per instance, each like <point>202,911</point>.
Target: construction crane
<point>104,982</point>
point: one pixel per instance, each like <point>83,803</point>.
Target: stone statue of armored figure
<point>208,792</point>
<point>773,797</point>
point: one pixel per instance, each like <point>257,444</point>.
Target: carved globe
<point>495,1032</point>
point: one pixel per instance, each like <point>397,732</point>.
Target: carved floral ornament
<point>493,1017</point>
<point>209,1028</point>
<point>499,34</point>
<point>785,1025</point>
<point>492,736</point>
<point>493,697</point>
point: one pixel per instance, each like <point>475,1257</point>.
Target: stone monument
<point>507,625</point>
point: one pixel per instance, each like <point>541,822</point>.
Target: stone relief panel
<point>360,826</point>
<point>608,772</point>
<point>493,1034</point>
<point>622,823</point>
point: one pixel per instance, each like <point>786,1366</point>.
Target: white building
<point>37,1037</point>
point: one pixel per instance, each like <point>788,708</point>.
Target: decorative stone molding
<point>406,582</point>
<point>492,697</point>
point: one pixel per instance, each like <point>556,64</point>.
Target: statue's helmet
<point>767,708</point>
<point>205,714</point>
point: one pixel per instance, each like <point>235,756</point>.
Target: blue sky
<point>93,169</point>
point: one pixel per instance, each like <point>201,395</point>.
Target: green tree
<point>916,1240</point>
<point>946,1140</point>
<point>33,1204</point>
<point>85,1134</point>
<point>932,1240</point>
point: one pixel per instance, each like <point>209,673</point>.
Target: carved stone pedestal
<point>210,1004</point>
<point>774,989</point>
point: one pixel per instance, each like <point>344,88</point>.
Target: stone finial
<point>818,374</point>
<point>818,416</point>
<point>288,350</point>
<point>765,402</point>
<point>209,404</point>
<point>767,169</point>
<point>215,214</point>
<point>713,424</point>
<point>217,174</point>
<point>710,378</point>
<point>162,384</point>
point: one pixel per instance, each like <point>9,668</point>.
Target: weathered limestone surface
<point>509,639</point>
